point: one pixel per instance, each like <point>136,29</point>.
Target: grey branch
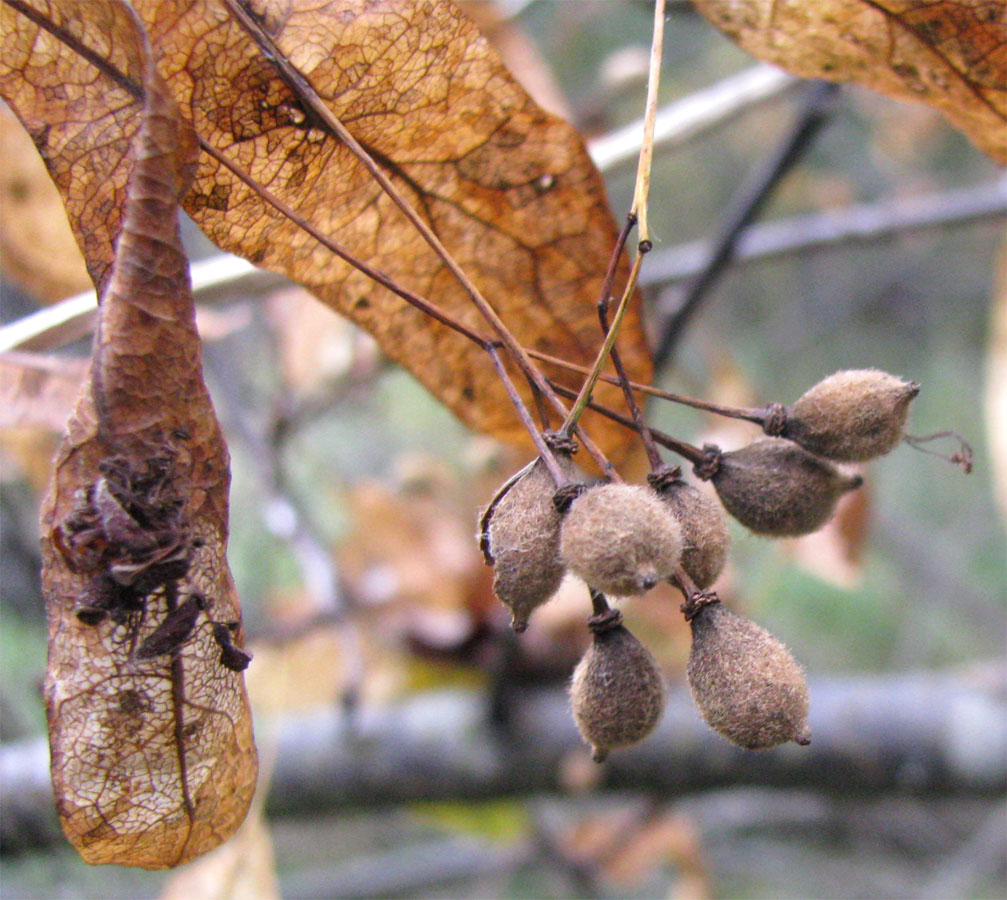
<point>859,223</point>
<point>915,734</point>
<point>694,115</point>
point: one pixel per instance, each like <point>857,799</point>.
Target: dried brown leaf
<point>951,55</point>
<point>243,869</point>
<point>152,758</point>
<point>508,188</point>
<point>519,53</point>
<point>36,244</point>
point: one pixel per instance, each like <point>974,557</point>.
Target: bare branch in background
<point>692,116</point>
<point>860,223</point>
<point>751,197</point>
<point>916,734</point>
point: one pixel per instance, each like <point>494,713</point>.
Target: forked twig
<point>546,454</point>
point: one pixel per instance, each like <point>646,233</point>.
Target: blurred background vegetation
<point>355,496</point>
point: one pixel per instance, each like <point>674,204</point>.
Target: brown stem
<point>687,451</point>
<point>407,295</point>
<point>541,407</point>
<point>758,414</point>
<point>653,456</point>
<point>641,190</point>
<point>581,402</point>
<point>599,603</point>
<point>339,250</point>
<point>545,454</point>
<point>680,578</point>
<point>613,262</point>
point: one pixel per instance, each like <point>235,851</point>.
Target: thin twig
<point>407,295</point>
<point>818,105</point>
<point>592,379</point>
<point>827,229</point>
<point>545,454</point>
<point>642,188</point>
<point>56,326</point>
<point>599,602</point>
<point>425,306</point>
<point>688,451</point>
<point>637,214</point>
<point>606,290</point>
<point>749,414</point>
<point>653,456</point>
<point>613,262</point>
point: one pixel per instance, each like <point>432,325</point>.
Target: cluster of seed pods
<point>624,539</point>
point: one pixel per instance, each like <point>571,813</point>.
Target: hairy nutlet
<point>774,487</point>
<point>747,685</point>
<point>620,539</point>
<point>523,539</point>
<point>705,540</point>
<point>617,691</point>
<point>853,415</point>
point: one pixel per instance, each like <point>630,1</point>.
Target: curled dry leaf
<point>152,755</point>
<point>952,56</point>
<point>509,189</point>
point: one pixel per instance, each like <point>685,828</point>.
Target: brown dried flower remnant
<point>128,534</point>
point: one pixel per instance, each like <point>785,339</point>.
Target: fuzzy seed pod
<point>746,684</point>
<point>620,538</point>
<point>617,690</point>
<point>852,415</point>
<point>523,542</point>
<point>704,532</point>
<point>777,488</point>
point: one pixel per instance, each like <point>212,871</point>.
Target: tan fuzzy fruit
<point>746,684</point>
<point>705,540</point>
<point>620,538</point>
<point>853,415</point>
<point>777,488</point>
<point>617,692</point>
<point>523,542</point>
